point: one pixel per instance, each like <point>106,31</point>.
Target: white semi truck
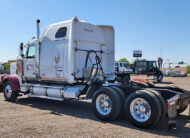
<point>75,58</point>
<point>122,67</point>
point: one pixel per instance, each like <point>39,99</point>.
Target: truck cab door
<point>30,63</point>
<point>152,67</point>
<point>120,67</point>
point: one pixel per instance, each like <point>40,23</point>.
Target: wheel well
<point>13,81</point>
<point>91,89</point>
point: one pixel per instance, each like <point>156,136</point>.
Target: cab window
<point>31,52</point>
<point>61,32</point>
<point>154,65</point>
<point>125,65</point>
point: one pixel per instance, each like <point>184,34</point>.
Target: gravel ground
<point>31,117</point>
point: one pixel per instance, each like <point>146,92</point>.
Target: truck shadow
<point>82,109</point>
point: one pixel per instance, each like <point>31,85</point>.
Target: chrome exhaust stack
<point>21,50</point>
<point>37,56</point>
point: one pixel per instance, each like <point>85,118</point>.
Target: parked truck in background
<point>140,67</point>
<point>123,67</point>
<point>148,68</point>
<point>75,59</point>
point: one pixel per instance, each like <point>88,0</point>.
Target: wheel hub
<point>106,103</point>
<point>140,109</point>
<point>8,91</point>
<point>103,104</point>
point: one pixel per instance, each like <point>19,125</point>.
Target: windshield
<point>153,64</point>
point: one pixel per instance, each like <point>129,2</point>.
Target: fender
<point>14,81</point>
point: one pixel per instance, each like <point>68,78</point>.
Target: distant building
<point>9,62</point>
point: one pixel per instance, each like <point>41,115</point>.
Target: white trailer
<point>74,58</point>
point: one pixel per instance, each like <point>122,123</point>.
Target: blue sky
<point>147,25</point>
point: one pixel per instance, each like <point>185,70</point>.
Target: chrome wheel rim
<point>103,104</point>
<point>140,109</point>
<point>8,91</point>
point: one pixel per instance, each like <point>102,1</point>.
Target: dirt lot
<point>43,118</point>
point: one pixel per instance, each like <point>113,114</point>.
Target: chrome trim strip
<point>174,98</point>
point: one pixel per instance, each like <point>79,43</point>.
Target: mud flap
<point>172,116</point>
<point>170,121</point>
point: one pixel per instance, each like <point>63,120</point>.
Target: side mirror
<point>21,51</point>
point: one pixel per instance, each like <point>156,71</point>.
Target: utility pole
<point>160,51</point>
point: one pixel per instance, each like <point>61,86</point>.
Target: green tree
<point>188,69</point>
<point>123,60</point>
<point>7,67</point>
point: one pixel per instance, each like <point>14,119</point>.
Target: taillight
<point>173,100</point>
<point>172,103</point>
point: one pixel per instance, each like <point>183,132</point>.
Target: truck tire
<point>9,94</point>
<point>182,109</point>
<point>143,109</point>
<point>122,97</point>
<point>159,107</point>
<point>106,103</point>
<point>163,103</point>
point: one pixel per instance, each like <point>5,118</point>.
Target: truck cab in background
<point>141,67</point>
<point>148,68</point>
